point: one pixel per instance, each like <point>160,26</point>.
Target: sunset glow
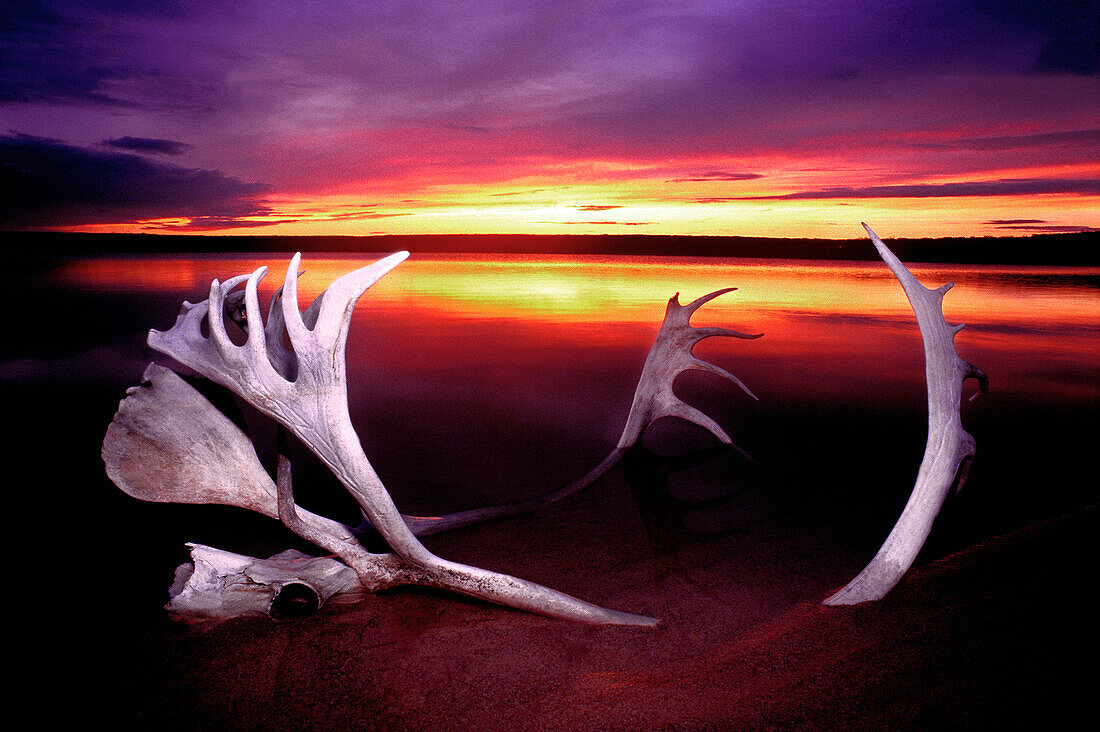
<point>756,119</point>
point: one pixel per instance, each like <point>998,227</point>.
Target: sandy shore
<point>993,635</point>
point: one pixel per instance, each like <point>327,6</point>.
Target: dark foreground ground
<point>991,637</point>
<point>992,628</point>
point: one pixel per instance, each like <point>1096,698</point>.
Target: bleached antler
<point>949,448</point>
<point>312,404</point>
<point>670,355</point>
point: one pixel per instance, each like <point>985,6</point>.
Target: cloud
<point>217,223</point>
<point>355,215</point>
<point>520,193</point>
<point>1003,187</point>
<point>1073,138</point>
<point>603,223</point>
<point>1038,226</point>
<point>717,175</point>
<point>518,94</point>
<point>47,183</point>
<point>596,208</point>
<point>147,145</point>
<point>89,54</point>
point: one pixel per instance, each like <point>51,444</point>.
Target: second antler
<point>670,355</point>
<point>949,448</point>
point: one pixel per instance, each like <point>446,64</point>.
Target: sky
<point>744,117</point>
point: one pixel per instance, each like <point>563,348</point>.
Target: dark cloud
<point>113,53</point>
<point>217,223</point>
<point>521,193</point>
<point>860,38</point>
<point>47,183</point>
<point>603,223</point>
<point>1065,31</point>
<point>48,54</point>
<point>364,215</point>
<point>148,145</point>
<point>1075,138</point>
<point>717,175</point>
<point>1004,187</point>
<point>482,65</point>
<point>1038,226</point>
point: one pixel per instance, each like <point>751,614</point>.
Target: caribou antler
<point>169,443</point>
<point>670,355</point>
<point>949,448</point>
<point>305,391</point>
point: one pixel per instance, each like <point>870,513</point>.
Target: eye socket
<point>295,600</point>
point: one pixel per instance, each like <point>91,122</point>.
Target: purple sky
<point>747,117</point>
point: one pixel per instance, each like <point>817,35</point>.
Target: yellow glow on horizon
<point>586,197</point>
<point>626,290</point>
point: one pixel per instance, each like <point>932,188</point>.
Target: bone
<point>218,585</point>
<point>668,357</point>
<point>949,448</point>
<point>313,406</point>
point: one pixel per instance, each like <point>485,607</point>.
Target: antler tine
<point>698,302</point>
<point>184,341</point>
<point>973,372</point>
<point>334,306</point>
<point>677,408</point>
<point>282,358</point>
<point>683,313</point>
<point>292,316</point>
<point>340,297</point>
<point>216,321</point>
<point>706,332</point>
<point>701,365</point>
<point>234,361</point>
<point>257,337</point>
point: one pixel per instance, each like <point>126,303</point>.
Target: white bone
<point>949,448</point>
<point>670,356</point>
<point>313,406</point>
<point>217,584</point>
<point>168,444</point>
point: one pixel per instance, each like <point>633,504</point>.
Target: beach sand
<point>990,628</point>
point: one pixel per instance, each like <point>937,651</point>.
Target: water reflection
<point>622,289</point>
<point>832,325</point>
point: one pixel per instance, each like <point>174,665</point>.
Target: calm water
<point>479,379</point>
<point>531,325</point>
